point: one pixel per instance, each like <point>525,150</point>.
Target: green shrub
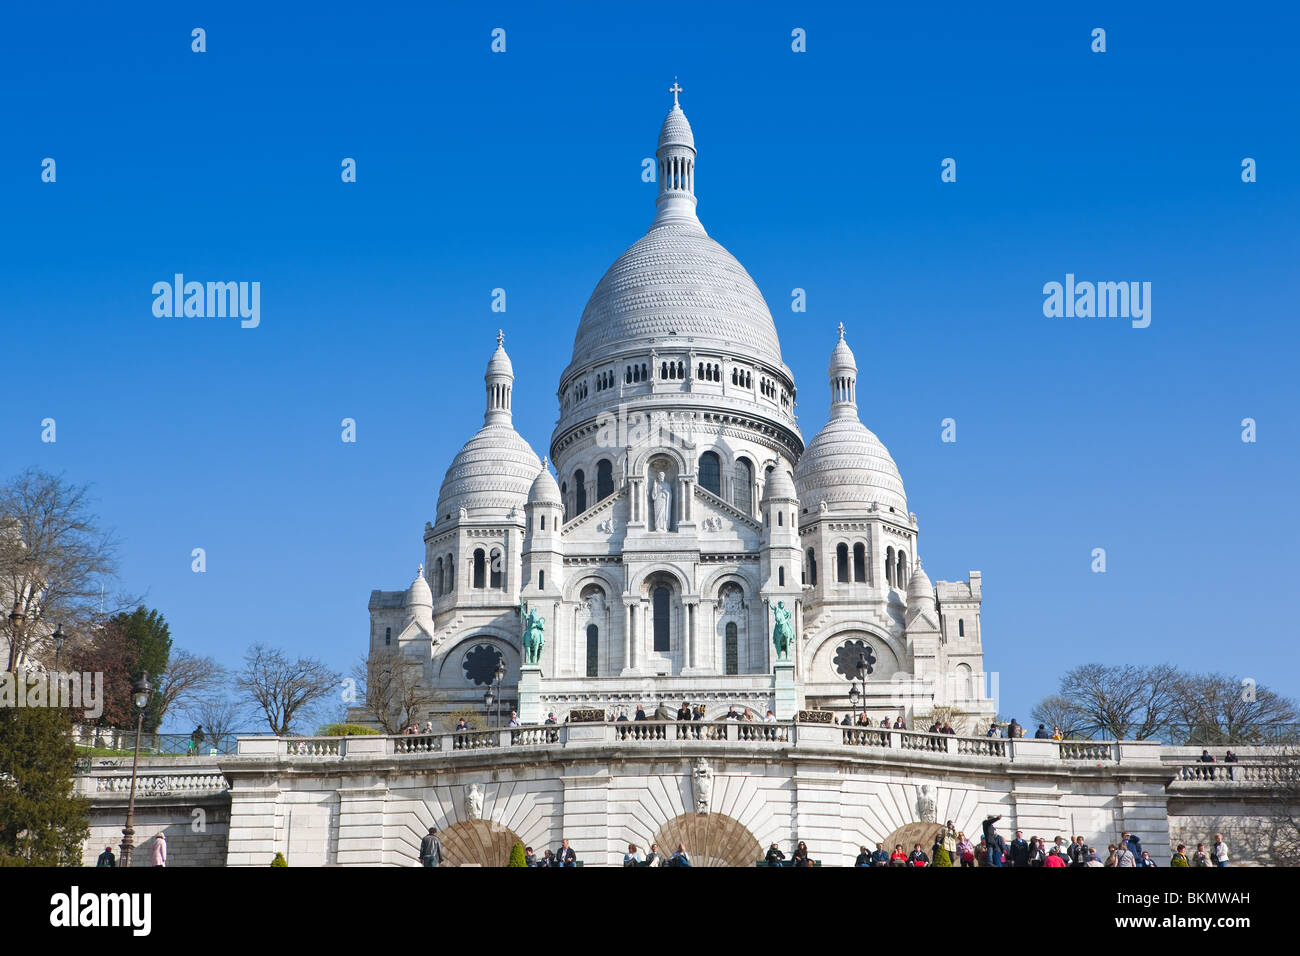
<point>517,856</point>
<point>344,730</point>
<point>941,857</point>
<point>279,860</point>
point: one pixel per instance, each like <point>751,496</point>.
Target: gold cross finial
<point>674,90</point>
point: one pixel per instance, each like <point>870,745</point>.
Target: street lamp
<point>58,645</point>
<point>488,697</point>
<point>853,699</point>
<point>864,668</point>
<point>141,691</point>
<point>501,673</point>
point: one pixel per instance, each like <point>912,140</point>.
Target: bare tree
<point>283,689</point>
<point>220,716</point>
<point>54,564</point>
<point>1058,711</point>
<point>1220,710</point>
<point>1284,842</point>
<point>393,689</point>
<point>1122,702</point>
<point>188,678</point>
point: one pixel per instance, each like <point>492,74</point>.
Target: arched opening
<point>732,649</point>
<point>711,473</point>
<point>711,839</point>
<point>593,650</point>
<point>889,565</point>
<point>780,576</point>
<point>961,628</point>
<point>812,566</point>
<point>842,563</point>
<point>388,636</point>
<point>543,522</point>
<point>451,574</point>
<point>480,562</point>
<point>742,486</point>
<point>580,491</point>
<point>495,569</point>
<point>604,479</point>
<point>437,578</point>
<point>477,843</point>
<point>900,573</point>
<point>859,563</point>
<point>661,610</point>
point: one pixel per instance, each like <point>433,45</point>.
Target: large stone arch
<point>477,843</point>
<point>447,660</point>
<point>912,833</point>
<point>838,632</point>
<point>711,839</point>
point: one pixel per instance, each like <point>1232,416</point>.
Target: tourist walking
<point>160,850</point>
<point>1220,852</point>
<point>431,849</point>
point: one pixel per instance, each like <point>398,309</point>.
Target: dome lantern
<point>676,155</point>
<point>843,373</point>
<point>500,379</point>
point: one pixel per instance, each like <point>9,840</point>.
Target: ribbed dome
<point>418,594</point>
<point>544,489</point>
<point>779,485</point>
<point>499,363</point>
<point>676,281</point>
<point>676,130</point>
<point>919,587</point>
<point>842,359</point>
<point>847,466</point>
<point>494,470</point>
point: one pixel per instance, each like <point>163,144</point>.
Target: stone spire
<point>843,374</point>
<point>676,172</point>
<point>500,379</point>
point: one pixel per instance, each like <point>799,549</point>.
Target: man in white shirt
<point>1220,852</point>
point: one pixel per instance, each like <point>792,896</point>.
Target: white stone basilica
<point>687,509</point>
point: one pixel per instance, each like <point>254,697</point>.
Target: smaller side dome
<point>544,489</point>
<point>919,587</point>
<point>779,485</point>
<point>418,594</point>
<point>842,360</point>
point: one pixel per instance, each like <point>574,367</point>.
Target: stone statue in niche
<point>661,497</point>
<point>925,804</point>
<point>473,802</point>
<point>701,784</point>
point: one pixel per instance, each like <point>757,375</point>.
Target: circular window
<point>853,654</point>
<point>481,663</point>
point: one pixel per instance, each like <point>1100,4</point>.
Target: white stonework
<point>684,506</point>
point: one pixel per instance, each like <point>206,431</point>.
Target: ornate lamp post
<point>489,696</point>
<point>141,691</point>
<point>501,672</point>
<point>864,668</point>
<point>58,645</point>
<point>854,696</point>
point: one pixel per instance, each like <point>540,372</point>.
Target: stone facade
<point>685,509</point>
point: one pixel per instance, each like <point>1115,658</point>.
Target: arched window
<point>842,563</point>
<point>681,369</point>
<point>480,561</point>
<point>859,563</point>
<point>780,576</point>
<point>543,522</point>
<point>437,578</point>
<point>780,518</point>
<point>593,650</point>
<point>451,574</point>
<point>541,580</point>
<point>732,649</point>
<point>961,628</point>
<point>710,473</point>
<point>494,570</point>
<point>889,565</point>
<point>580,491</point>
<point>900,573</point>
<point>661,618</point>
<point>812,566</point>
<point>604,479</point>
<point>742,485</point>
<point>388,636</point>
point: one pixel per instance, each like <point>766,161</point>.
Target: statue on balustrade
<point>533,640</point>
<point>783,632</point>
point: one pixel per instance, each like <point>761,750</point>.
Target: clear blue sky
<point>817,170</point>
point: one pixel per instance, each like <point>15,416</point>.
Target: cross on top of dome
<point>674,90</point>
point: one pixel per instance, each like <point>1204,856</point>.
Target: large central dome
<point>676,283</point>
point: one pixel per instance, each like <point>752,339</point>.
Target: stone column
<point>629,639</point>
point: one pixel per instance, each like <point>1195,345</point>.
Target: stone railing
<point>1238,774</point>
<point>150,782</point>
<point>650,734</point>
